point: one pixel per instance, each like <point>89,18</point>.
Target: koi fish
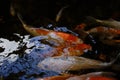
<point>88,76</point>
<point>106,34</point>
<point>53,34</point>
<point>51,47</point>
<point>72,63</point>
<point>105,29</point>
<point>59,14</point>
<point>70,44</point>
<point>109,33</point>
<point>110,23</point>
<point>60,77</point>
<point>12,10</point>
<point>78,78</point>
<point>94,76</point>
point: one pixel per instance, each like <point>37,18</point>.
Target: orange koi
<point>51,33</point>
<point>62,77</point>
<point>66,78</point>
<point>105,29</point>
<point>58,35</point>
<point>70,44</point>
<point>94,76</point>
<point>101,78</point>
<point>88,76</point>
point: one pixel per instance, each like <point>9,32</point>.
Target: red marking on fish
<point>80,26</point>
<point>105,29</point>
<point>68,37</point>
<point>100,78</point>
<point>41,31</point>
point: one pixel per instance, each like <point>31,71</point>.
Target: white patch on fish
<point>71,63</point>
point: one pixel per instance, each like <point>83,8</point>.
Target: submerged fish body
<point>109,23</point>
<point>51,33</point>
<point>71,63</point>
<point>88,76</point>
<point>62,77</point>
<point>58,16</point>
<point>50,47</point>
<point>105,30</point>
<point>70,44</point>
<point>94,76</point>
<point>106,35</point>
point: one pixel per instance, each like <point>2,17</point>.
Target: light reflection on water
<point>9,47</point>
<point>24,67</point>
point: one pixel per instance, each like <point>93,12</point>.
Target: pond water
<point>16,64</point>
<point>20,52</point>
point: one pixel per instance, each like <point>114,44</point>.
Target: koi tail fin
<point>113,61</point>
<point>92,20</point>
<point>59,14</point>
<point>12,10</point>
<point>117,57</point>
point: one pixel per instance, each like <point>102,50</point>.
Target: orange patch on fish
<point>83,46</point>
<point>101,78</point>
<point>56,78</point>
<point>80,26</point>
<point>42,31</point>
<point>78,49</point>
<point>71,45</point>
<point>72,50</point>
<point>67,37</point>
<point>105,29</point>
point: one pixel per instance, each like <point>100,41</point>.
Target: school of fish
<point>70,49</point>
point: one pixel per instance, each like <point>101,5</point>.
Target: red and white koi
<point>70,44</point>
<point>51,33</point>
